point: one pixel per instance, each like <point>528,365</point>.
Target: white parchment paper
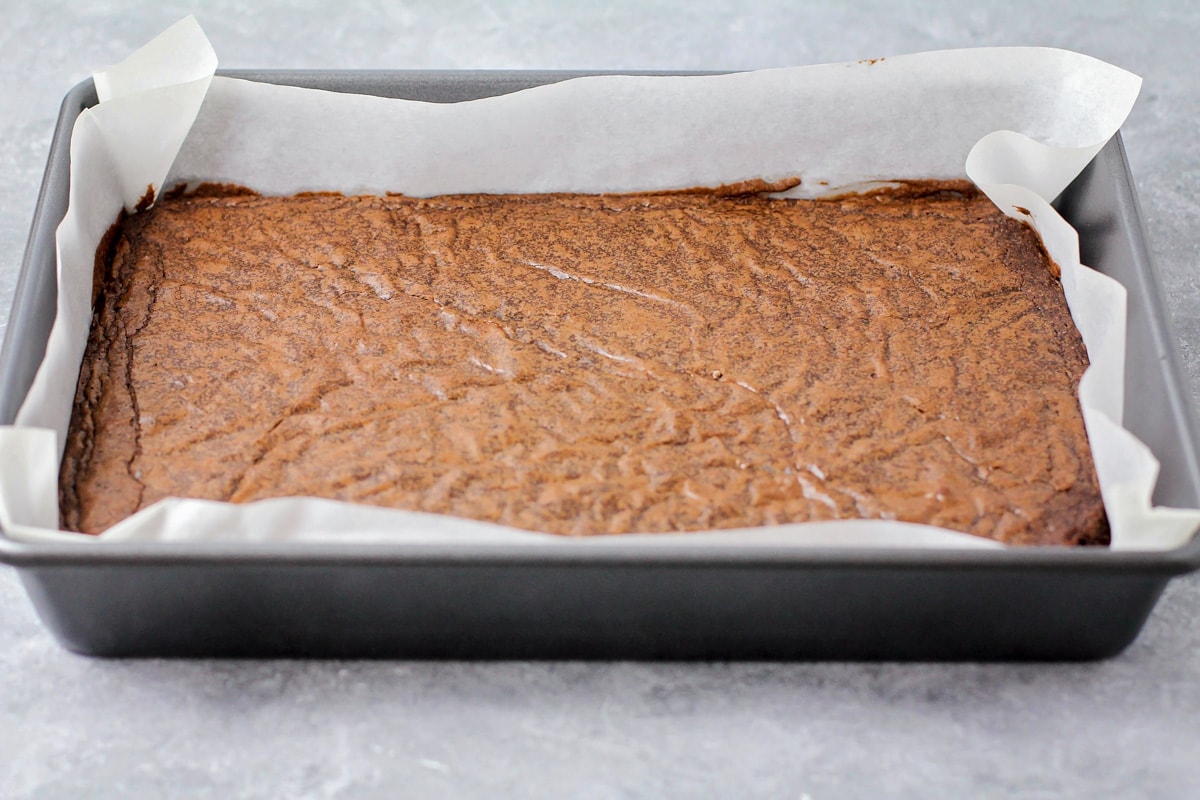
<point>1020,122</point>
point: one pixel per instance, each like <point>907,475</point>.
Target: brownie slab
<point>589,364</point>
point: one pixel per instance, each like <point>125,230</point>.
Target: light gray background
<point>74,727</point>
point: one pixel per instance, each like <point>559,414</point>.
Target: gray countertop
<point>76,727</point>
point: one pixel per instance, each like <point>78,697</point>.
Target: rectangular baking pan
<point>673,601</point>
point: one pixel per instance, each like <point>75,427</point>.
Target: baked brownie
<point>589,364</point>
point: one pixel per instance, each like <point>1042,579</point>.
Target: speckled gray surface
<point>1130,727</point>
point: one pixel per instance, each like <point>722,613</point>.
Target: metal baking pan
<point>674,601</point>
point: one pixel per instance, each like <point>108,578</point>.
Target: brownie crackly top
<point>588,364</point>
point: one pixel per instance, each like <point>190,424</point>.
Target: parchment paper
<point>1020,122</point>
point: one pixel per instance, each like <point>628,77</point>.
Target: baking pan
<point>670,601</point>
